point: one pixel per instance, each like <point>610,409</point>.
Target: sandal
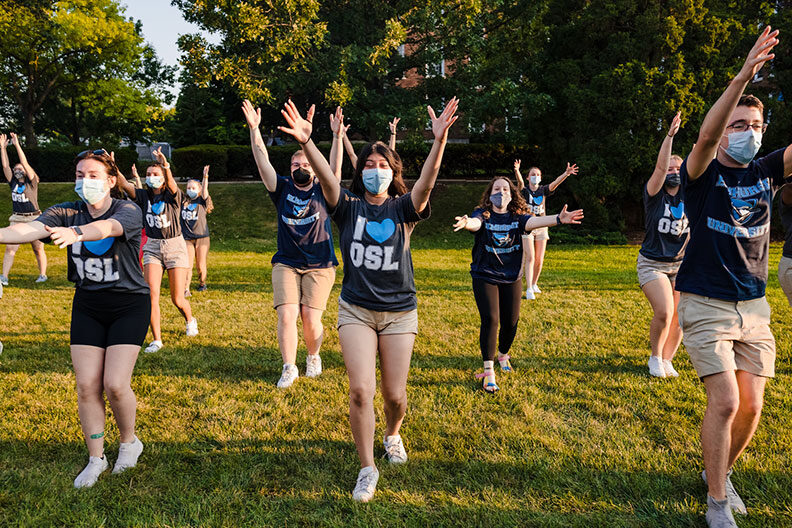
<point>489,386</point>
<point>503,361</point>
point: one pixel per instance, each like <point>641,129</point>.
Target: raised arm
<point>337,151</point>
<point>716,120</point>
<point>170,181</point>
<point>23,233</point>
<point>520,181</point>
<point>570,170</point>
<point>467,223</point>
<point>350,149</point>
<point>657,180</point>
<point>136,176</point>
<point>23,159</point>
<point>205,183</point>
<point>300,129</point>
<point>4,157</point>
<point>265,168</point>
<point>564,217</point>
<point>128,187</point>
<point>440,125</point>
<point>392,127</point>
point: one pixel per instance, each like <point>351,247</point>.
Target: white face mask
<point>192,193</point>
<point>535,180</point>
<point>155,182</point>
<point>91,191</point>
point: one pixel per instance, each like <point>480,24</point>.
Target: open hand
<point>461,222</point>
<point>159,156</point>
<point>571,169</point>
<point>252,115</point>
<point>62,236</point>
<point>206,171</point>
<point>14,139</point>
<point>570,217</point>
<point>299,128</point>
<point>517,164</point>
<point>675,123</point>
<point>759,54</point>
<point>392,125</point>
<point>337,122</point>
<point>441,124</point>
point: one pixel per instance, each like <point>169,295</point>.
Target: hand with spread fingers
<point>570,217</point>
<point>298,127</point>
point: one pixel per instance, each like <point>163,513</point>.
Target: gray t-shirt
<point>110,264</point>
<point>786,221</point>
<point>161,212</point>
<point>375,246</point>
<point>24,195</point>
<point>667,231</point>
<point>193,217</point>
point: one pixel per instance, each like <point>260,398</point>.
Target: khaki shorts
<point>727,335</point>
<point>17,218</point>
<point>649,270</point>
<point>785,277</point>
<point>168,252</point>
<point>309,287</point>
<point>541,233</point>
<point>383,323</point>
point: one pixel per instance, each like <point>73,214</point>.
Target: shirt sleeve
<point>478,212</point>
<point>773,166</point>
<point>522,220</point>
<point>57,215</point>
<point>545,190</point>
<point>280,183</point>
<point>406,207</point>
<point>208,203</point>
<point>341,210</point>
<point>141,198</point>
<point>130,217</point>
<point>705,176</point>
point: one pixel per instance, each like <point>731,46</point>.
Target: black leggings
<point>497,303</point>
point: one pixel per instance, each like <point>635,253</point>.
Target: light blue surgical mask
<point>155,182</point>
<point>192,193</point>
<point>744,145</point>
<point>91,191</point>
<point>377,180</point>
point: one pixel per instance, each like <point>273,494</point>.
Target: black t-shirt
<point>786,221</point>
<point>193,217</point>
<point>305,236</point>
<point>729,213</point>
<point>161,212</point>
<point>537,200</point>
<point>110,264</point>
<point>667,230</point>
<point>375,246</point>
<point>24,195</point>
<point>497,249</point>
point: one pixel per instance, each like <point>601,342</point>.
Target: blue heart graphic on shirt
<point>157,207</point>
<point>20,188</point>
<point>99,247</point>
<point>381,231</point>
<point>191,207</point>
<point>678,211</point>
<point>538,199</point>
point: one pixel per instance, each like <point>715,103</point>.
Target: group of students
<point>706,251</point>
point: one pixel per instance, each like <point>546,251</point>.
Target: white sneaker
<point>394,449</point>
<point>154,346</point>
<point>187,294</point>
<point>313,365</point>
<point>536,289</point>
<point>288,375</point>
<point>42,278</point>
<point>529,294</point>
<point>192,327</point>
<point>656,367</point>
<point>669,369</point>
<point>3,280</point>
<point>128,454</point>
<point>88,477</point>
<point>366,484</point>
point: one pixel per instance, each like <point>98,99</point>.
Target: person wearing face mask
<point>535,241</point>
<point>785,264</point>
<point>377,308</point>
<point>499,222</point>
<point>723,311</point>
<point>110,311</point>
<point>195,228</point>
<point>23,181</point>
<point>303,268</point>
<point>661,254</point>
<point>165,247</point>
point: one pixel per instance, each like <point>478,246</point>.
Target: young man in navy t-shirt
<point>723,312</point>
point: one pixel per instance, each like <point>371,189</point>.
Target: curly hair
<point>517,205</point>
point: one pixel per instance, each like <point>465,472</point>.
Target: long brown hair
<point>517,205</point>
<point>110,167</point>
<point>397,186</point>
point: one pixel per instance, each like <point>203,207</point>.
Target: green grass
<point>579,435</point>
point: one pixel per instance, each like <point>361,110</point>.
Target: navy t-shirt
<point>305,236</point>
<point>667,230</point>
<point>375,246</point>
<point>497,249</point>
<point>161,212</point>
<point>537,200</point>
<point>786,221</point>
<point>729,213</point>
<point>193,217</point>
<point>24,195</point>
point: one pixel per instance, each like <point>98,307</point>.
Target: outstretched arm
<point>127,187</point>
<point>170,181</point>
<point>4,157</point>
<point>205,183</point>
<point>440,125</point>
<point>467,223</point>
<point>23,233</point>
<point>265,168</point>
<point>570,170</point>
<point>564,217</point>
<point>337,151</point>
<point>136,176</point>
<point>300,129</point>
<point>66,236</point>
<point>350,149</point>
<point>716,120</point>
<point>657,179</point>
<point>392,127</point>
<point>520,181</point>
<point>23,159</point>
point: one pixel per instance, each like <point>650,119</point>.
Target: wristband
<point>301,143</point>
<point>166,167</point>
<point>558,219</point>
<point>78,232</point>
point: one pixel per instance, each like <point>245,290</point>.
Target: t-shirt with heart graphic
<point>110,264</point>
<point>375,246</point>
<point>667,230</point>
<point>729,213</point>
<point>193,217</point>
<point>305,236</point>
<point>537,200</point>
<point>24,195</point>
<point>497,247</point>
<point>161,212</point>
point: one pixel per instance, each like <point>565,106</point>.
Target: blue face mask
<point>743,146</point>
<point>377,181</point>
<point>193,194</point>
<point>500,199</point>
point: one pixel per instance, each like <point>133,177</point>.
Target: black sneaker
<point>201,287</point>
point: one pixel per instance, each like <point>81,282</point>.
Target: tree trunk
<point>30,133</point>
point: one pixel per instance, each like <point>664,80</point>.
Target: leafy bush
<point>57,163</point>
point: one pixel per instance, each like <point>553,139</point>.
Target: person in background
<point>195,228</point>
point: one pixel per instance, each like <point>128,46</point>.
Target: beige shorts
<point>541,233</point>
<point>383,323</point>
<point>785,277</point>
<point>17,218</point>
<point>649,270</point>
<point>168,252</point>
<point>309,287</point>
<point>727,335</point>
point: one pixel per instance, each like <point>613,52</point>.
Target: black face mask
<point>673,180</point>
<point>301,176</point>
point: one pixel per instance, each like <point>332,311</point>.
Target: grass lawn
<point>579,435</point>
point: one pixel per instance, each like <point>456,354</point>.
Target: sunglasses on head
<point>98,152</point>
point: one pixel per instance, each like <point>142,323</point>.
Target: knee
<point>89,390</point>
<point>724,407</point>
<point>664,317</point>
<point>359,396</point>
<point>311,318</point>
<point>287,315</point>
<point>395,397</point>
<point>751,406</point>
<point>11,251</point>
<point>115,388</point>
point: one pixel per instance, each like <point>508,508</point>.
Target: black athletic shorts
<point>103,318</point>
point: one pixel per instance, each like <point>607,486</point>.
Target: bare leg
<point>88,364</point>
<point>8,258</point>
<point>177,277</point>
<point>153,274</point>
<point>661,297</point>
<point>745,422</point>
<point>191,258</point>
<point>359,347</point>
<point>313,331</point>
<point>395,353</point>
<point>674,337</point>
<point>287,332</point>
<point>202,258</point>
<point>118,366</point>
<point>528,262</point>
<point>41,256</point>
<point>539,246</point>
<point>723,400</point>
